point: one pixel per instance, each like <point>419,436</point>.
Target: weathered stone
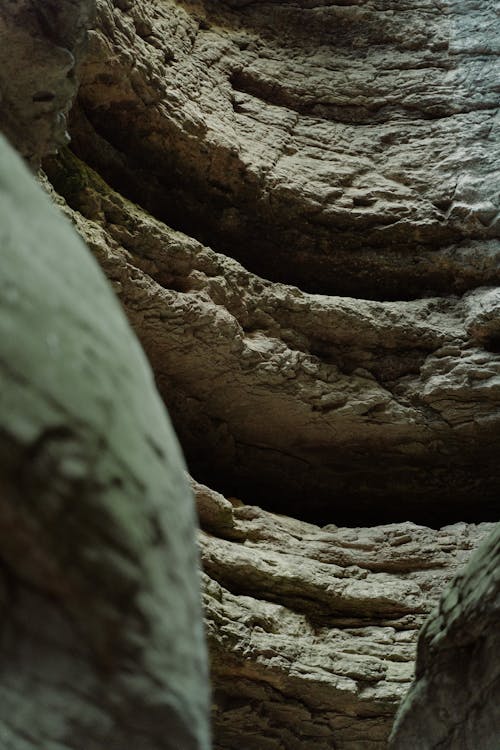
<point>41,42</point>
<point>322,407</point>
<point>349,148</point>
<point>454,703</point>
<point>101,635</point>
<point>313,631</point>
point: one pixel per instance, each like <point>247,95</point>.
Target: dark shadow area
<point>271,237</point>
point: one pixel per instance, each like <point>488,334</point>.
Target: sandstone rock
<point>101,635</point>
<point>313,630</point>
<point>454,703</point>
<point>349,148</point>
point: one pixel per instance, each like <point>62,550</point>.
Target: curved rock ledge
<point>313,631</point>
<point>350,148</point>
<point>320,407</point>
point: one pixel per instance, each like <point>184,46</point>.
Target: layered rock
<point>101,635</point>
<point>454,702</point>
<point>323,407</point>
<point>360,158</point>
<point>239,148</point>
<point>349,148</point>
<point>313,631</point>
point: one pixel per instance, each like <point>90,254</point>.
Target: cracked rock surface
<point>346,147</point>
<point>297,205</point>
<point>350,148</point>
<point>320,406</point>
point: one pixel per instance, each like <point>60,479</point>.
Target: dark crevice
<point>351,493</point>
<point>240,222</point>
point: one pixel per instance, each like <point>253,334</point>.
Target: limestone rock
<point>349,148</point>
<point>313,630</point>
<point>454,703</point>
<point>101,636</point>
<point>327,407</point>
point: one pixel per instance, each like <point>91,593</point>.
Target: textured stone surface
<point>313,630</point>
<point>327,406</point>
<point>349,148</point>
<point>101,637</point>
<point>454,703</point>
<point>41,43</point>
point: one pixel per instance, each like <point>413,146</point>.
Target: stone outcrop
<point>325,407</point>
<point>101,634</point>
<point>313,631</point>
<point>455,700</point>
<point>296,203</point>
<point>358,158</point>
<point>41,45</point>
<point>349,148</point>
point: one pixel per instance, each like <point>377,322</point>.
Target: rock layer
<point>322,407</point>
<point>454,702</point>
<point>41,44</point>
<point>101,636</point>
<point>349,148</point>
<point>312,631</point>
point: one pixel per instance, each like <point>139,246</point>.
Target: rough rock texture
<point>101,638</point>
<point>350,148</point>
<point>454,703</point>
<point>324,407</point>
<point>313,631</point>
<point>41,43</point>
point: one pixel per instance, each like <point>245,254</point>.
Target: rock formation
<point>297,205</point>
<point>347,148</point>
<point>101,638</point>
<point>41,45</point>
<point>312,631</point>
<point>455,701</point>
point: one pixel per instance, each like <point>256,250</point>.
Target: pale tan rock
<point>313,631</point>
<point>327,406</point>
<point>350,148</point>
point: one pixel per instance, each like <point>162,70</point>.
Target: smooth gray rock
<point>101,634</point>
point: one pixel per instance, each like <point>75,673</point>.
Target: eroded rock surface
<point>41,44</point>
<point>454,703</point>
<point>101,635</point>
<point>313,630</point>
<point>318,406</point>
<point>350,148</point>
